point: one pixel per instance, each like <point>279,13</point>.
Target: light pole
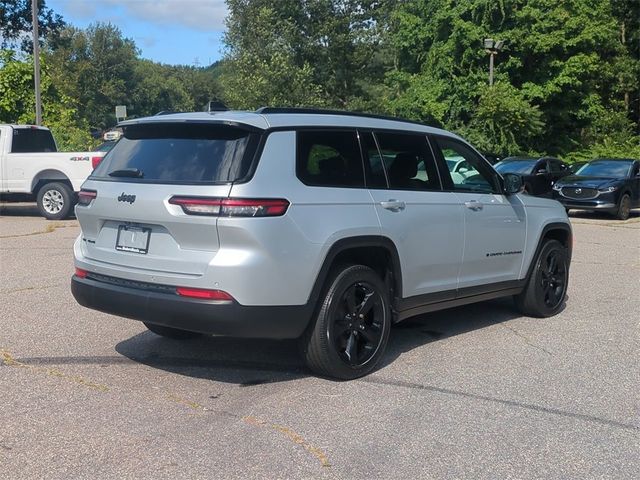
<point>492,47</point>
<point>36,60</point>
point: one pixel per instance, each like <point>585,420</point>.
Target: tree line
<point>566,83</point>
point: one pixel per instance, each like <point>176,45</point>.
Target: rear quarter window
<point>329,159</point>
<point>191,153</point>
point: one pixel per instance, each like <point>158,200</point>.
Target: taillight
<point>95,161</point>
<point>231,207</point>
<point>204,294</point>
<point>80,273</point>
<point>85,197</point>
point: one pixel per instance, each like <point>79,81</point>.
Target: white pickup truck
<point>32,168</point>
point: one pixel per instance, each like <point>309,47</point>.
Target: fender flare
<point>545,230</point>
<point>350,243</point>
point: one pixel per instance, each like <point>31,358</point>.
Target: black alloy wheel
<point>351,328</point>
<point>546,288</point>
<point>553,278</point>
<point>358,324</point>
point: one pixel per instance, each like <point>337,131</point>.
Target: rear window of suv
<point>191,153</point>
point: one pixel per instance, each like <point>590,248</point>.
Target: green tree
<point>561,56</point>
<point>95,67</point>
<point>16,23</point>
<point>157,88</point>
<point>627,14</point>
<point>17,102</point>
<point>276,48</point>
<point>504,121</point>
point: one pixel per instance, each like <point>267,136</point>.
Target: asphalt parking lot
<point>472,392</point>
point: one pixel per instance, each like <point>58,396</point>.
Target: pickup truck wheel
<point>352,326</point>
<point>624,207</point>
<point>546,288</point>
<point>55,200</point>
<point>169,332</point>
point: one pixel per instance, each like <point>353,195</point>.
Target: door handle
<point>393,205</point>
<point>474,205</point>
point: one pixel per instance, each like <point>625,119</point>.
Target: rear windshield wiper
<point>127,172</point>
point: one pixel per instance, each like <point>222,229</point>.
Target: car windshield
<point>605,168</point>
<point>521,167</point>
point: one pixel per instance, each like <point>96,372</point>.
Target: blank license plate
<point>133,239</point>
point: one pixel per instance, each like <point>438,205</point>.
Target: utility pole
<point>492,47</point>
<point>491,55</point>
<point>36,60</point>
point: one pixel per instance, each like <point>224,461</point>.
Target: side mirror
<point>512,183</point>
<point>542,171</point>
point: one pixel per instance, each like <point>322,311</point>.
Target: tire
<point>169,332</point>
<point>55,200</point>
<point>351,329</point>
<point>624,207</point>
<point>546,288</point>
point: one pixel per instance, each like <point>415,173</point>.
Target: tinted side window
<point>329,159</point>
<point>374,169</point>
<point>479,178</point>
<point>408,161</point>
<point>32,140</point>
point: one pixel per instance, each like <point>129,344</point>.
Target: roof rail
<point>320,111</point>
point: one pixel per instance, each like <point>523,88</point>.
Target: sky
<point>177,32</point>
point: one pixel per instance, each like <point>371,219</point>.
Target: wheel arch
<point>375,251</point>
<point>553,231</point>
<point>46,176</point>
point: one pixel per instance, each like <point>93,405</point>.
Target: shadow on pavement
<point>251,362</point>
<point>24,210</point>
<point>19,210</point>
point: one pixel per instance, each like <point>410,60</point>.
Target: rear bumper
<point>203,316</point>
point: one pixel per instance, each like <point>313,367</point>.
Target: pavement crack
<point>188,403</point>
<point>49,229</point>
<point>291,435</point>
<point>511,403</point>
<point>526,339</point>
<point>27,289</point>
<point>8,360</point>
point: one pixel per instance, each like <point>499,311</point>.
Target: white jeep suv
<point>318,225</point>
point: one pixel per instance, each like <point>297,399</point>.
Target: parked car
<point>493,158</point>
<point>606,184</point>
<point>575,166</point>
<point>538,174</point>
<point>32,168</point>
<point>299,223</point>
